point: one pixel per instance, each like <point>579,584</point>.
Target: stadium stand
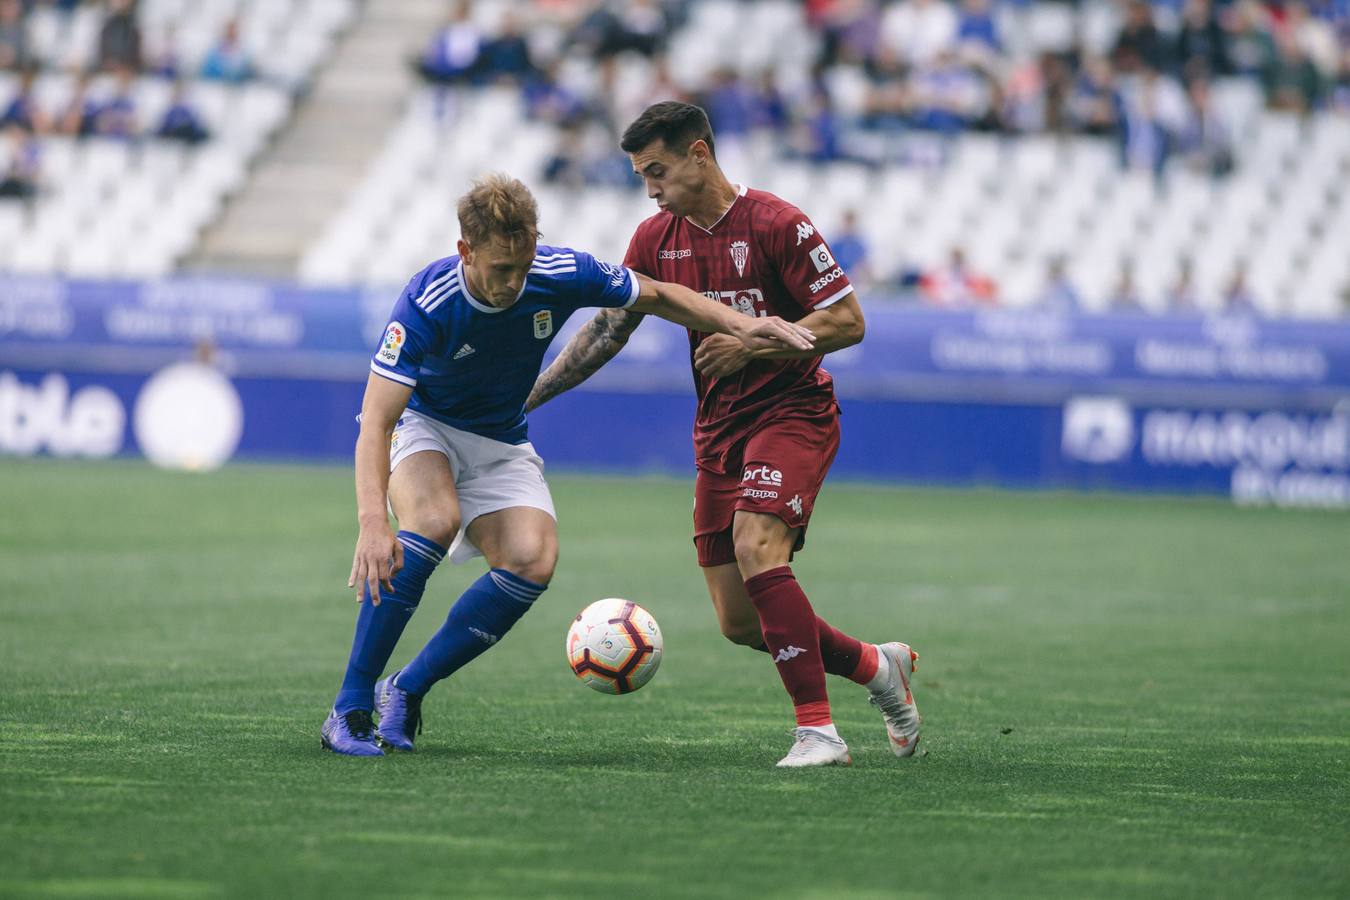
<point>1183,155</point>
<point>141,119</point>
<point>1104,156</point>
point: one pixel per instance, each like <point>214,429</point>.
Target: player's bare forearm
<point>836,326</point>
<point>598,341</point>
<point>384,402</point>
<point>680,305</point>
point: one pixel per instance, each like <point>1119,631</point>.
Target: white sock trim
<point>883,672</point>
<point>828,730</point>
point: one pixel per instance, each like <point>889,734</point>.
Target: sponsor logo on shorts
<point>392,345</point>
<point>543,323</point>
<point>796,504</point>
<point>820,283</point>
<point>765,475</point>
<point>787,653</point>
<point>821,256</point>
<point>759,494</point>
<point>674,254</point>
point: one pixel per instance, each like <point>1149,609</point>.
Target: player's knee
<point>755,553</point>
<point>535,564</point>
<point>439,525</point>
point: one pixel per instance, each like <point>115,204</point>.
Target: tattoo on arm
<point>598,341</point>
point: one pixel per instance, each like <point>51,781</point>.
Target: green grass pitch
<point>1122,697</point>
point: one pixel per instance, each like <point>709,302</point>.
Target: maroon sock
<point>789,626</point>
<point>843,654</point>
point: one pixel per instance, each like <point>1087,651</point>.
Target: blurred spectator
<point>977,32</point>
<point>1059,293</point>
<point>1200,42</point>
<point>946,96</point>
<point>77,117</point>
<point>1207,142</point>
<point>567,165</point>
<point>1315,37</point>
<point>1125,294</point>
<point>119,42</point>
<point>1292,82</point>
<point>161,58</point>
<point>1154,112</point>
<point>228,60</point>
<point>1096,105</point>
<point>20,177</point>
<point>730,106</point>
<point>23,109</point>
<point>13,36</point>
<point>1237,297</point>
<point>850,250</point>
<point>609,29</point>
<point>508,54</point>
<point>919,30</point>
<point>549,100</point>
<point>452,55</point>
<point>1181,295</point>
<point>181,121</point>
<point>1139,44</point>
<point>116,116</point>
<point>956,285</point>
<point>770,107</point>
<point>1249,47</point>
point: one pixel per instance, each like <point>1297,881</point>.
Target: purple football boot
<point>351,734</point>
<point>400,714</point>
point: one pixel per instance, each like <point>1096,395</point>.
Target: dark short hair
<point>676,124</point>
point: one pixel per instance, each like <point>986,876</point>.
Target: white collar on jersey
<point>479,304</point>
<point>740,192</point>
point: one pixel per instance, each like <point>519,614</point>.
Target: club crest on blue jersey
<point>392,345</point>
<point>543,324</point>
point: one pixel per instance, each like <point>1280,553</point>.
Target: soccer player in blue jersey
<point>443,444</point>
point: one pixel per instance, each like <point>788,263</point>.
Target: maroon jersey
<point>764,257</point>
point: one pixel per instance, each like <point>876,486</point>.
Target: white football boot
<point>896,701</point>
<point>815,748</point>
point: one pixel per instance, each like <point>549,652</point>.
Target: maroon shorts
<point>778,469</point>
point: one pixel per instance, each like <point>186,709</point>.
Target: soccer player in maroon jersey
<point>768,424</point>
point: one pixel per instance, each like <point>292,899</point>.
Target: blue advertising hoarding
<point>1254,409</point>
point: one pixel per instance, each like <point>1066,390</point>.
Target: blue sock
<point>479,619</point>
<point>378,627</point>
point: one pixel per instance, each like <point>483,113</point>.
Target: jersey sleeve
<point>604,284</point>
<point>411,334</point>
<point>805,262</point>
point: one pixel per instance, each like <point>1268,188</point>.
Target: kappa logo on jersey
<point>749,301</point>
<point>392,345</point>
<point>617,277</point>
<point>821,256</point>
<point>796,504</point>
<point>821,283</point>
<point>765,475</point>
<point>740,252</point>
<point>543,322</point>
<point>804,231</point>
<point>464,351</point>
<point>674,254</point>
<point>789,652</point>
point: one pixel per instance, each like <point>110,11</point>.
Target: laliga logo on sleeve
<point>392,345</point>
<point>820,255</point>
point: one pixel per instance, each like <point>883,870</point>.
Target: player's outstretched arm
<point>379,555</point>
<point>685,307</point>
<point>837,326</point>
<point>598,341</point>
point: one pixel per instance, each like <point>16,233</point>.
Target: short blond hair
<point>498,207</point>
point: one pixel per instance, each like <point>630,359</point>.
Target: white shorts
<point>489,475</point>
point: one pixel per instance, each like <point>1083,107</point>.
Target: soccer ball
<point>614,646</point>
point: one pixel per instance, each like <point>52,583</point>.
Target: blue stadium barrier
<point>1254,409</point>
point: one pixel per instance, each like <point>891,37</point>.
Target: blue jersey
<point>472,365</point>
